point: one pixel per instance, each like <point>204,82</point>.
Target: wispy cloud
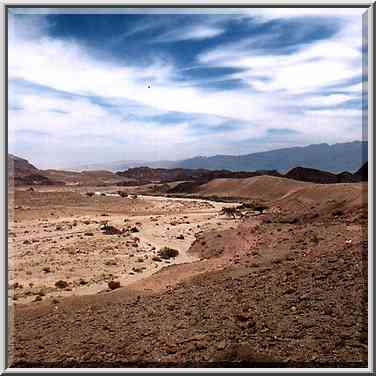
<point>195,32</point>
<point>226,83</point>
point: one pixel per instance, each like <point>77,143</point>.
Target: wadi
<point>190,268</point>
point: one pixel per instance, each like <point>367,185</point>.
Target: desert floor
<point>287,288</point>
<point>55,235</point>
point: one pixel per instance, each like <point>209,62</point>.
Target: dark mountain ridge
<point>333,158</point>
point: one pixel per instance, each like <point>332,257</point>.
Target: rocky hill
<point>144,175</point>
<point>21,172</point>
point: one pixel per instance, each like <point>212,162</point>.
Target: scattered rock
<point>110,262</point>
<point>61,284</point>
<point>137,270</point>
<point>114,285</point>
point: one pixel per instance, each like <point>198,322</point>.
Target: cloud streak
<point>151,106</point>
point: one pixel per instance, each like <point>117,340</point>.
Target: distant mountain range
<point>335,158</point>
<point>122,165</point>
<point>22,173</point>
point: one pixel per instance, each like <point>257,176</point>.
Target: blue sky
<point>166,84</point>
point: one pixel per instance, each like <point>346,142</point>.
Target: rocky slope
<point>272,291</point>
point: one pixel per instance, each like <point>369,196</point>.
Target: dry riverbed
<point>57,247</point>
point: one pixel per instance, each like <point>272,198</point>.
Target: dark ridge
<point>334,158</point>
<point>362,173</point>
<point>21,172</point>
<point>145,175</point>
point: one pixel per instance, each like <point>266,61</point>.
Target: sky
<point>94,87</point>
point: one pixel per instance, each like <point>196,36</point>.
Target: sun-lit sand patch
<point>55,252</point>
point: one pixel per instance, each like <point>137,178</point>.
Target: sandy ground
<point>55,235</point>
<point>287,288</point>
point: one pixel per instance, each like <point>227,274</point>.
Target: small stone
<point>114,285</point>
<point>242,317</point>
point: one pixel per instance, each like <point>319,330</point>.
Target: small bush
<point>337,213</point>
<point>167,253</point>
<point>252,206</point>
<point>137,270</point>
<point>122,194</point>
<point>61,284</point>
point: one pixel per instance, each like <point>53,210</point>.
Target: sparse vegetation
<point>108,229</point>
<point>61,284</point>
<point>167,253</point>
<point>138,270</point>
<point>122,194</point>
<point>252,206</point>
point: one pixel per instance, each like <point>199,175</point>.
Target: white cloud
<point>193,32</point>
<point>326,100</point>
<point>200,32</point>
<point>266,14</point>
<point>314,66</point>
<point>274,84</point>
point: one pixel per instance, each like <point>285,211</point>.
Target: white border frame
<point>197,3</point>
